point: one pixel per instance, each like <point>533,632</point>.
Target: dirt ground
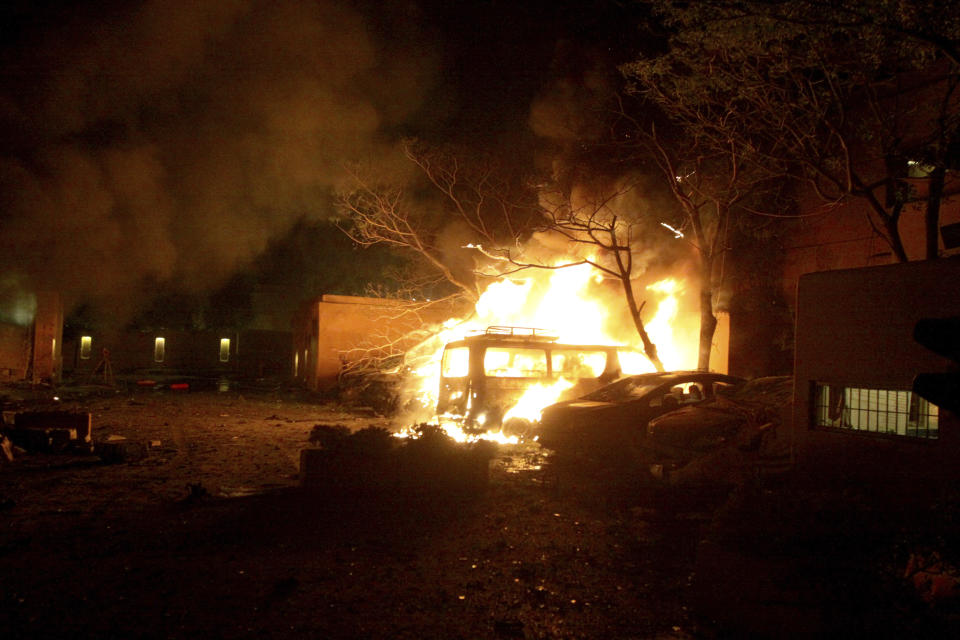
<point>210,536</point>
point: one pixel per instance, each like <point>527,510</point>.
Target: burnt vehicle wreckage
<point>484,375</point>
<point>615,416</point>
<point>679,427</point>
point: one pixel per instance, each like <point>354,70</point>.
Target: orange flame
<point>578,307</point>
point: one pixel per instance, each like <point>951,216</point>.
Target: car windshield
<point>624,389</point>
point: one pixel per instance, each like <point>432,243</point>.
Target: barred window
<point>882,411</point>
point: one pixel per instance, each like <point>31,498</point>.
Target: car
<point>614,417</point>
<point>721,440</point>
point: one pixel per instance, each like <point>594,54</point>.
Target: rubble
<point>114,449</point>
<point>50,431</point>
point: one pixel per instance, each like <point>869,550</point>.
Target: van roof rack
<point>523,333</point>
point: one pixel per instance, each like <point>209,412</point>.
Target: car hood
<point>699,428</point>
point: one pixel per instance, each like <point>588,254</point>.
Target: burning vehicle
<point>718,441</point>
<point>492,378</point>
<point>615,417</point>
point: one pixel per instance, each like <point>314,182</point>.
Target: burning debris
<point>371,461</point>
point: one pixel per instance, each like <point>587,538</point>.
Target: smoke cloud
<point>170,141</point>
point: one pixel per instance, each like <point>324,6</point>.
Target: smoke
<point>597,174</point>
<point>170,141</point>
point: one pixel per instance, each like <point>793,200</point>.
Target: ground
<point>211,535</point>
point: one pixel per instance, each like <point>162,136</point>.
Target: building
<point>31,346</point>
<point>335,333</point>
<point>856,359</point>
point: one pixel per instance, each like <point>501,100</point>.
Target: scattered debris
<point>51,431</point>
<point>115,449</point>
<point>195,492</point>
<point>6,449</point>
<point>371,460</point>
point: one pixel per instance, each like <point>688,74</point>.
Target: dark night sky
<point>174,142</point>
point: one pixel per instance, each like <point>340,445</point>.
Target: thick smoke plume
<point>169,141</point>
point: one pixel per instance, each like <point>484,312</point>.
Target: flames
<point>578,307</point>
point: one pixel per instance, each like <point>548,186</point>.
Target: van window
<point>508,362</point>
<point>455,362</point>
<point>575,364</point>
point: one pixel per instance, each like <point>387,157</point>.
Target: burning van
<point>485,377</point>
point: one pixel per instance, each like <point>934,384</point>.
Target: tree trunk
<point>649,348</point>
<point>708,321</point>
<point>932,217</point>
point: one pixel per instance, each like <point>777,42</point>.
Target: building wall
<point>855,329</point>
<point>47,338</point>
<point>15,343</point>
<point>131,351</point>
<point>842,237</point>
<point>334,332</point>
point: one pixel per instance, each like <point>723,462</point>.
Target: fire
<point>535,399</point>
<point>575,305</point>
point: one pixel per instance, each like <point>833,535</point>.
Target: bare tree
<point>498,217</point>
<point>608,240</point>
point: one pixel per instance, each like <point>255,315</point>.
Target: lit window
<point>882,411</point>
<point>158,349</point>
<point>296,365</point>
<point>224,349</point>
<point>86,346</point>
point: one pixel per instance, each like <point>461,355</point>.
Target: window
<point>224,349</point>
<point>455,362</point>
<point>883,411</point>
<point>575,365</point>
<point>86,346</point>
<point>503,362</point>
<point>159,345</point>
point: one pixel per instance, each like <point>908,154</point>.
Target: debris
<point>114,449</point>
<point>6,449</point>
<point>371,459</point>
<point>52,431</point>
<point>196,491</point>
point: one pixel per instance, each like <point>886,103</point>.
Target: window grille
<point>882,411</point>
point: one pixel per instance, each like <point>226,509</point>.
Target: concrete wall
<point>35,350</point>
<point>15,342</point>
<point>336,331</point>
<point>841,237</point>
<point>855,329</point>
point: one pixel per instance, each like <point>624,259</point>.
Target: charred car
<point>724,439</point>
<point>615,416</point>
<point>484,375</point>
